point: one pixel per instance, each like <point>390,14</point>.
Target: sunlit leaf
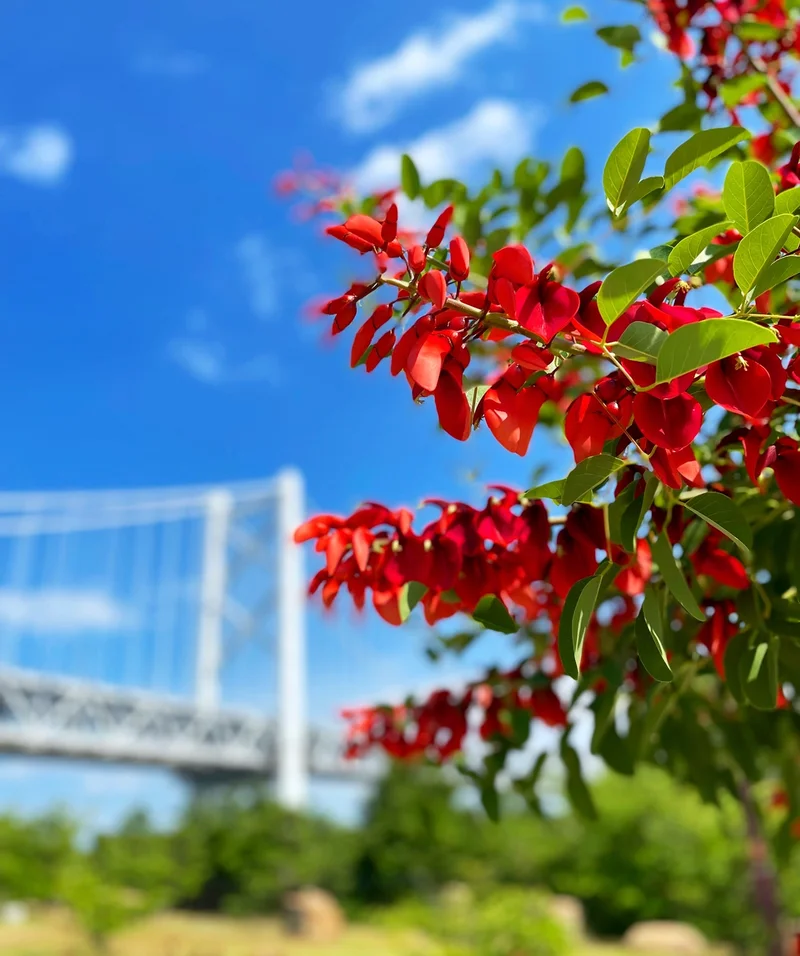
<point>779,271</point>
<point>624,168</point>
<point>687,250</point>
<point>722,513</point>
<point>759,248</point>
<point>622,286</point>
<point>691,346</point>
<point>640,342</point>
<point>748,195</point>
<point>574,15</point>
<point>587,475</point>
<point>699,151</point>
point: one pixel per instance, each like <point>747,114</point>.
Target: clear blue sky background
<point>152,288</point>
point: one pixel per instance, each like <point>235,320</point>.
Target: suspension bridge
<point>129,618</point>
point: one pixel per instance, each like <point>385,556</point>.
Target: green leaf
<point>587,475</point>
<point>735,664</point>
<point>788,201</point>
<point>576,614</point>
<point>578,793</point>
<point>650,639</point>
<point>588,91</point>
<point>624,284</point>
<point>642,189</point>
<point>624,168</point>
<point>733,91</point>
<point>622,501</point>
<point>699,343</point>
<point>748,195</point>
<point>409,177</point>
<point>633,516</point>
<point>698,151</point>
<point>673,577</point>
<point>410,596</point>
<point>686,252</point>
<point>685,116</point>
<point>758,250</point>
<point>493,614</point>
<point>475,394</point>
<point>490,800</point>
<point>416,592</point>
<point>761,673</point>
<point>621,38</point>
<point>640,342</point>
<point>757,31</point>
<point>550,489</point>
<point>780,271</point>
<point>723,514</point>
<point>574,15</point>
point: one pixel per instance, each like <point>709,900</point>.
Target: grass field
<point>52,933</point>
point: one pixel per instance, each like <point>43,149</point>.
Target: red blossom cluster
<point>464,553</point>
<point>624,406</point>
<point>704,31</point>
<point>505,549</point>
<point>436,728</point>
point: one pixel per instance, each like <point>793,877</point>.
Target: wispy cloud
<point>180,64</point>
<point>63,611</point>
<point>496,131</point>
<point>260,270</point>
<point>377,91</point>
<point>40,155</point>
<point>206,360</point>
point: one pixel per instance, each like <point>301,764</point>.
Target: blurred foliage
<point>507,921</point>
<point>656,851</point>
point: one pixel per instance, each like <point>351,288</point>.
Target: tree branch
<point>782,98</point>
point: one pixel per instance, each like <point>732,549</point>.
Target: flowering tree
<point>662,572</point>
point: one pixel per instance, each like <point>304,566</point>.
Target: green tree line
<point>656,851</point>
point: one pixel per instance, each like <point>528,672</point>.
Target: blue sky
<point>152,288</point>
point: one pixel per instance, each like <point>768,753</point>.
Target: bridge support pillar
<point>292,731</point>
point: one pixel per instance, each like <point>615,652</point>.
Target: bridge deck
<point>62,717</point>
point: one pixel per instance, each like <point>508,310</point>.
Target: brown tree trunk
<point>765,883</point>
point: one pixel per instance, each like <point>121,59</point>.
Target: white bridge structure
<point>128,618</point>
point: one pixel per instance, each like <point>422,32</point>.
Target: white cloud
<point>260,271</point>
<point>496,131</point>
<point>179,64</point>
<point>203,360</point>
<point>206,360</point>
<point>63,611</point>
<point>376,91</point>
<point>40,155</point>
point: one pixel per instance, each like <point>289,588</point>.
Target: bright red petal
<point>670,423</point>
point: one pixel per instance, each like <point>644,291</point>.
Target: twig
<point>497,320</point>
<point>783,100</point>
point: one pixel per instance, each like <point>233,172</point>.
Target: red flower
<point>738,384</point>
<point>671,423</point>
<point>513,263</point>
<point>459,259</point>
<point>787,468</point>
<point>511,412</point>
<point>433,287</point>
<point>546,307</point>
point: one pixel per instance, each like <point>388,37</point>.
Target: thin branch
<point>497,320</point>
<point>782,98</point>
